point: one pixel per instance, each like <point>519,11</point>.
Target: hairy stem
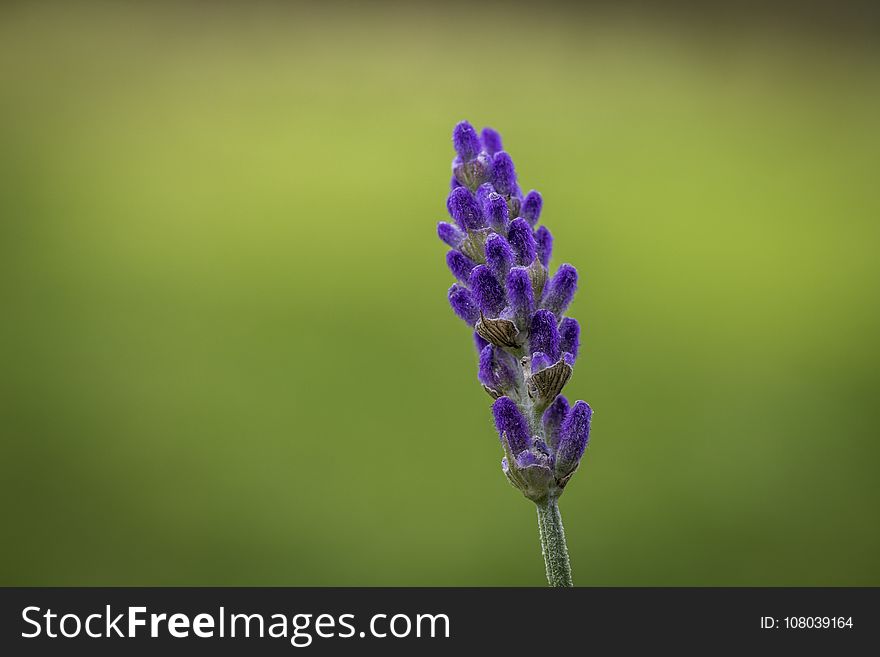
<point>553,544</point>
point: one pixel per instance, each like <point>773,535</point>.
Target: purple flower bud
<point>568,358</point>
<point>553,418</point>
<point>574,435</point>
<point>463,208</point>
<point>463,304</point>
<point>450,234</point>
<point>570,335</point>
<point>466,141</point>
<point>460,265</point>
<point>453,183</point>
<point>543,245</point>
<point>531,207</point>
<point>519,295</point>
<point>491,141</point>
<point>497,213</point>
<point>523,242</point>
<point>503,173</point>
<point>482,194</point>
<point>560,289</point>
<point>497,368</point>
<point>540,361</point>
<point>487,291</point>
<point>509,421</point>
<point>499,255</point>
<point>544,335</point>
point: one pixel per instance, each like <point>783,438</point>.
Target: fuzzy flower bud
<point>503,174</point>
<point>465,141</point>
<point>574,435</point>
<point>510,423</point>
<point>523,242</point>
<point>531,207</point>
<point>519,295</point>
<point>487,291</point>
<point>450,234</point>
<point>570,336</point>
<point>491,141</point>
<point>497,213</point>
<point>543,245</point>
<point>460,265</point>
<point>499,255</point>
<point>482,195</point>
<point>553,418</point>
<point>561,288</point>
<point>463,304</point>
<point>544,335</point>
<point>463,208</point>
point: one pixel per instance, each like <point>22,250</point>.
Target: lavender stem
<point>553,545</point>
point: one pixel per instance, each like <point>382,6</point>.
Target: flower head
<point>527,347</point>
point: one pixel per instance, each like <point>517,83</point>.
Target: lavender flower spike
<point>527,347</point>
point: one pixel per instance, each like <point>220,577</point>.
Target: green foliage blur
<point>226,356</point>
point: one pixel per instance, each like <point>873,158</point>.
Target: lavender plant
<point>527,347</point>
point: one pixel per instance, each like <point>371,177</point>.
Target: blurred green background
<point>226,355</point>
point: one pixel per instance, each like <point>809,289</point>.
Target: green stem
<point>553,543</point>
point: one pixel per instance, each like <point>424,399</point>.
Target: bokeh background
<point>226,355</point>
